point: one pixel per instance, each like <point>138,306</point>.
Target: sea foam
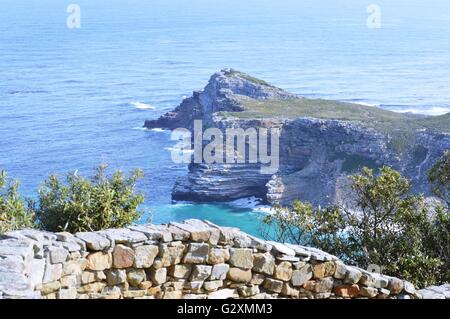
<point>142,106</point>
<point>428,111</point>
<point>252,203</point>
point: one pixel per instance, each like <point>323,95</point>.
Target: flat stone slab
<point>200,231</point>
<point>282,249</point>
<point>73,246</point>
<point>153,232</point>
<point>12,263</point>
<point>227,234</point>
<point>70,242</point>
<point>299,250</point>
<point>233,235</point>
<point>14,285</point>
<point>94,240</point>
<point>178,234</point>
<point>33,234</point>
<point>319,255</point>
<point>17,247</point>
<point>436,292</point>
<point>124,235</point>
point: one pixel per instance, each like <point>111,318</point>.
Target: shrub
<point>439,177</point>
<point>14,213</point>
<point>83,204</point>
<point>437,242</point>
<point>304,224</point>
<point>380,223</point>
<point>387,225</point>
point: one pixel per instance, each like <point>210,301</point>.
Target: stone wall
<point>191,260</point>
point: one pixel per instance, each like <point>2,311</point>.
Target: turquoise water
<point>69,98</point>
<point>222,214</point>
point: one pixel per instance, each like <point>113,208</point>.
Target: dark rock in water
<point>321,142</point>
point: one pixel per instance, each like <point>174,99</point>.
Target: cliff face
<point>321,142</point>
<point>219,95</point>
<point>318,155</point>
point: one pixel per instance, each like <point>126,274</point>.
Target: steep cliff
<point>220,95</point>
<point>321,142</point>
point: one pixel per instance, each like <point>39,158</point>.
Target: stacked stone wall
<point>190,260</point>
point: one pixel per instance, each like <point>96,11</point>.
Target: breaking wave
<point>142,106</point>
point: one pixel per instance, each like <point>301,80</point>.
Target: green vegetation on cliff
<point>292,108</point>
<point>233,72</point>
<point>401,128</point>
<point>373,117</point>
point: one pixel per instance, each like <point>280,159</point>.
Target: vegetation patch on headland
<point>243,75</point>
<point>377,118</point>
<point>369,116</point>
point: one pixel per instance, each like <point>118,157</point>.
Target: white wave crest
<point>142,106</point>
<point>173,149</point>
<point>176,167</point>
<point>428,111</point>
<point>248,202</point>
<point>368,104</point>
<point>252,203</point>
<point>140,128</point>
<point>157,129</point>
<point>181,203</point>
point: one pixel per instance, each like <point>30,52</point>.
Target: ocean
<point>72,98</point>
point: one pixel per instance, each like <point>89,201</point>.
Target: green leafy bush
<point>380,223</point>
<point>438,240</point>
<point>83,204</point>
<point>304,224</point>
<point>439,176</point>
<point>14,212</point>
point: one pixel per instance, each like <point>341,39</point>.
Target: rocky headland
<point>321,142</point>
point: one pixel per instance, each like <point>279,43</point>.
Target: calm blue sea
<point>73,98</point>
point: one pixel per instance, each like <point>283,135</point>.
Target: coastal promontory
<point>321,142</point>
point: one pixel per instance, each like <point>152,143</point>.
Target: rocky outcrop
<point>190,260</point>
<point>316,154</point>
<point>219,95</point>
